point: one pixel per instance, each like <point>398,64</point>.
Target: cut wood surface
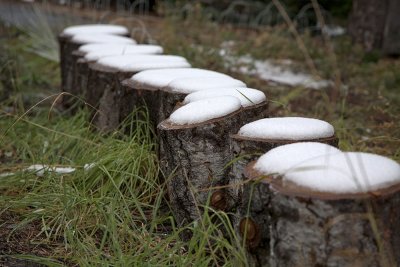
<point>312,228</point>
<point>196,155</point>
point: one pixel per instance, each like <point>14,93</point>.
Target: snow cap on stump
<point>287,128</point>
<point>247,96</point>
<point>151,79</point>
<point>204,110</point>
<point>93,52</point>
<point>136,63</point>
<point>101,39</point>
<point>95,29</point>
<point>190,85</point>
<point>319,169</point>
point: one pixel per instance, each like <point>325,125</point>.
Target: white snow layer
<point>119,49</point>
<point>190,85</point>
<point>101,39</point>
<point>95,29</point>
<point>40,169</point>
<point>282,158</point>
<point>324,168</point>
<point>204,110</point>
<point>135,63</point>
<point>247,96</point>
<point>162,77</point>
<point>287,128</point>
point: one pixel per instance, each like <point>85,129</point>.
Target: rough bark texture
<point>168,103</point>
<point>375,24</point>
<point>391,41</point>
<point>315,229</point>
<point>255,112</point>
<point>140,98</point>
<point>99,80</point>
<point>115,104</point>
<point>246,202</point>
<point>197,156</point>
<point>82,76</point>
<point>67,65</point>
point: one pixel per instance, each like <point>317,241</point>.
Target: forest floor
<point>114,213</point>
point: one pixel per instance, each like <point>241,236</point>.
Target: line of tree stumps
<point>209,156</point>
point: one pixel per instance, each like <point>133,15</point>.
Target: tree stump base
<point>311,228</point>
<point>196,155</point>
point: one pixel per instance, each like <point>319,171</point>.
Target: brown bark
<point>168,103</point>
<point>196,157</point>
<point>67,67</point>
<point>375,25</point>
<point>309,228</point>
<point>244,200</point>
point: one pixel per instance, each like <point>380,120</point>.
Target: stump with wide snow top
<point>195,150</point>
<point>322,207</point>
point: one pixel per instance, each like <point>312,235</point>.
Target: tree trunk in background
<point>375,25</point>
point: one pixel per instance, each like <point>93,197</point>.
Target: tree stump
<point>311,228</point>
<point>246,149</point>
<point>196,155</point>
<point>69,43</point>
<point>115,101</point>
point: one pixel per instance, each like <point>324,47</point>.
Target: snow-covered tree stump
<point>313,206</point>
<point>195,149</point>
<point>178,89</point>
<point>257,138</point>
<point>73,37</point>
<point>106,92</point>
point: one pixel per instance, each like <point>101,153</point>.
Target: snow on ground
<point>287,128</point>
<point>204,110</point>
<point>247,96</point>
<point>270,71</point>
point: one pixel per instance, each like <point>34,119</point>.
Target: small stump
<point>196,153</point>
<point>106,92</point>
<point>322,211</point>
<point>69,43</point>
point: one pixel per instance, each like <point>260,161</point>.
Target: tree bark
<point>67,67</point>
<point>196,157</point>
<point>308,228</point>
<point>375,25</point>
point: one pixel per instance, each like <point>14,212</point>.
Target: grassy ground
<point>115,213</point>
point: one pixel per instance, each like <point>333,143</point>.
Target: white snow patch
<point>89,166</point>
<point>287,128</point>
<point>203,110</point>
<point>351,172</point>
<point>162,77</point>
<point>282,159</point>
<point>190,85</point>
<point>101,39</point>
<point>118,49</point>
<point>40,169</point>
<point>135,63</point>
<point>95,29</point>
<point>247,96</point>
<point>333,30</point>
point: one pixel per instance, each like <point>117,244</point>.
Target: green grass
<point>115,214</point>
